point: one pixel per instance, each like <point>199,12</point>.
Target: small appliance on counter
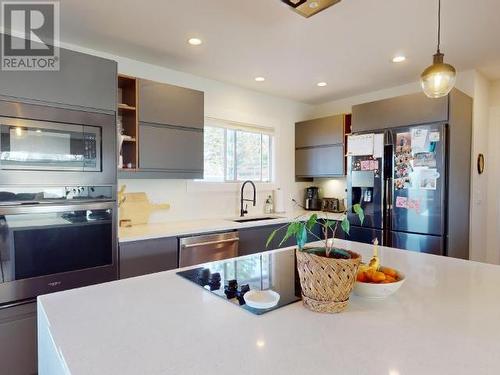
<point>334,205</point>
<point>312,203</point>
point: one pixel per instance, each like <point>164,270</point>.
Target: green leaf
<point>359,211</point>
<point>330,223</point>
<point>301,236</point>
<point>271,236</point>
<point>291,231</point>
<point>346,226</point>
<point>312,220</point>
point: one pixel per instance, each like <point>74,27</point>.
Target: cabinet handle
<point>210,243</point>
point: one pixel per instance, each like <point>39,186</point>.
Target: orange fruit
<point>362,277</point>
<point>378,277</point>
<point>390,272</point>
<point>389,279</point>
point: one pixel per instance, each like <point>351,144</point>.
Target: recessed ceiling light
<point>195,41</point>
<point>398,59</point>
<point>313,4</point>
<point>260,79</point>
<point>321,84</point>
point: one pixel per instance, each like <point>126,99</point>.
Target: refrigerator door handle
<point>388,194</point>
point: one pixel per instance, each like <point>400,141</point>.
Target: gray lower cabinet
<point>162,103</point>
<point>148,256</point>
<point>83,82</point>
<point>18,340</point>
<point>176,151</point>
<point>324,161</point>
<point>253,240</point>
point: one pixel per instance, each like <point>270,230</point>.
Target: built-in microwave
<point>31,145</point>
<point>57,146</point>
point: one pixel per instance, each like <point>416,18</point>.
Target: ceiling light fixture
<point>398,59</point>
<point>438,79</point>
<point>308,8</point>
<point>321,84</point>
<point>195,41</point>
<point>260,79</point>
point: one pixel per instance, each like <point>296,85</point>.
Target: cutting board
<point>135,208</point>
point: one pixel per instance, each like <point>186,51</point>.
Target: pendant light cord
<point>439,26</point>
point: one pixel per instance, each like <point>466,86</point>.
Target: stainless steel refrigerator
<point>402,188</point>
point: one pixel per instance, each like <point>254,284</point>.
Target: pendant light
<point>438,79</point>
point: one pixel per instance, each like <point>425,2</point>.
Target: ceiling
<point>349,46</point>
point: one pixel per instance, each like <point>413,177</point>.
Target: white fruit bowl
<point>378,291</point>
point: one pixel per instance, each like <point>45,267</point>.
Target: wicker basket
<point>326,282</point>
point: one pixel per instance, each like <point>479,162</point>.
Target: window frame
<point>247,129</point>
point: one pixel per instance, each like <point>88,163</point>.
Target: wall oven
<point>61,146</point>
<point>55,238</point>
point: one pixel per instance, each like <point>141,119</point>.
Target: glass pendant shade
<point>438,79</point>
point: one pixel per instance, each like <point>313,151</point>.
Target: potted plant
<point>327,274</point>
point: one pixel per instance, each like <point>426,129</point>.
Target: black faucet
<point>254,200</point>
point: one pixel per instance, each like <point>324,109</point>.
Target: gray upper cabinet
<point>160,103</point>
<point>399,111</point>
<point>319,132</point>
<point>172,150</point>
<point>324,161</point>
<point>84,82</point>
<point>319,147</point>
<point>148,256</point>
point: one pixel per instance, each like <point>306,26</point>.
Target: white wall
<point>228,102</point>
<point>492,166</point>
<point>479,182</point>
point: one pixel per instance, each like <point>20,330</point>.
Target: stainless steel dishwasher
<point>207,248</point>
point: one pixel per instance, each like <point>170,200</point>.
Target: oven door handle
<point>48,208</point>
<point>208,243</point>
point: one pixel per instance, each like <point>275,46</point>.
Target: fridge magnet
<point>365,165</point>
<point>409,204</point>
<point>403,142</point>
<point>418,139</point>
<point>434,137</point>
<point>425,159</point>
<point>369,165</point>
<point>428,179</point>
<point>402,183</point>
<point>414,204</point>
<point>401,202</point>
<point>360,145</point>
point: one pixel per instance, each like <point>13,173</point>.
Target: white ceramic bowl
<point>261,299</point>
<point>378,291</point>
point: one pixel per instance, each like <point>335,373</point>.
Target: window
<point>237,153</point>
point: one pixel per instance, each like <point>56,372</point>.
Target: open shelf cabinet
<point>128,120</point>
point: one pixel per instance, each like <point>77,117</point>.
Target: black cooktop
<point>231,279</point>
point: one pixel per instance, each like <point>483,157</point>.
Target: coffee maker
<point>313,202</point>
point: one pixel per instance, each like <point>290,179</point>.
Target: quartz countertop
<point>445,319</point>
<point>190,227</point>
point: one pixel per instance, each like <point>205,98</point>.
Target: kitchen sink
<point>247,220</point>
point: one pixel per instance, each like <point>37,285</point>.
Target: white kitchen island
<point>444,320</point>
